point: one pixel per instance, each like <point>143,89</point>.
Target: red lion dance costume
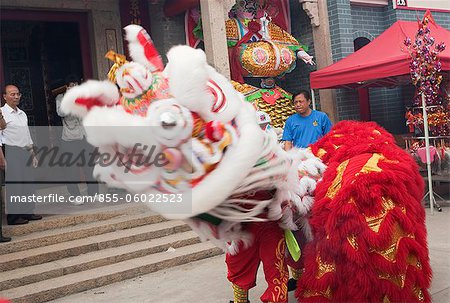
<point>367,220</point>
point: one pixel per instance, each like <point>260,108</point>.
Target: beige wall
<point>322,42</point>
<point>103,15</point>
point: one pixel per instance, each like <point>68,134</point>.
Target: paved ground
<point>205,281</point>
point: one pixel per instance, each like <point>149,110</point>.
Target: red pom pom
<point>214,131</point>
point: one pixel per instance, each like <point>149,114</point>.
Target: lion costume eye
<point>168,120</point>
<point>172,124</point>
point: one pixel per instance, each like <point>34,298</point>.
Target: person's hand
<point>35,162</point>
<point>2,163</point>
<point>2,121</point>
<point>308,59</point>
<point>2,160</point>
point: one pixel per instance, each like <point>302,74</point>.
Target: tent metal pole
<point>427,150</point>
<point>313,99</point>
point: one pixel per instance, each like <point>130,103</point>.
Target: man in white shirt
<point>19,148</point>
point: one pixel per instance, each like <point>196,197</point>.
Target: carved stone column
<point>312,10</point>
<point>318,13</point>
<point>214,14</point>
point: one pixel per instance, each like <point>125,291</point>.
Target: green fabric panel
<point>198,30</point>
<point>209,218</point>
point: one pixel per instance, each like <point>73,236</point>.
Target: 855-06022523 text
<point>102,198</point>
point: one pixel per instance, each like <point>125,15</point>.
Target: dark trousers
<point>2,181</point>
<point>80,173</point>
<point>19,182</point>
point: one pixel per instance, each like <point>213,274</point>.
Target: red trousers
<point>269,248</point>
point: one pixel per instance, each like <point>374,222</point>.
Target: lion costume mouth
<point>135,160</point>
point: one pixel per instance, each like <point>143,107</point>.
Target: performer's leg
<point>2,238</point>
<point>296,267</point>
<point>295,275</point>
<point>242,269</point>
<point>272,247</point>
<point>240,295</point>
<point>72,172</point>
<point>88,170</point>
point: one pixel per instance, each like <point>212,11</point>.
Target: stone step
<point>58,287</point>
<point>96,242</point>
<point>35,273</point>
<point>82,215</point>
<point>58,235</point>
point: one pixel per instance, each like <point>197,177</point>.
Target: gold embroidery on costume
<point>390,252</point>
<point>336,185</point>
<point>352,241</point>
<point>324,268</point>
<point>418,293</point>
<point>280,291</point>
<point>372,164</point>
<point>374,222</point>
<point>414,261</point>
<point>327,293</point>
<point>386,299</point>
<point>398,280</point>
<point>321,152</point>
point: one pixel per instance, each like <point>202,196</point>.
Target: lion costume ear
<point>79,100</point>
<point>199,87</point>
<point>142,49</point>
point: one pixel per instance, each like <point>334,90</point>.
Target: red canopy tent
<point>384,62</point>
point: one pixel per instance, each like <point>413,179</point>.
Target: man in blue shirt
<point>306,126</point>
<point>301,129</point>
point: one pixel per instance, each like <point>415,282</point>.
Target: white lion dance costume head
<point>185,130</point>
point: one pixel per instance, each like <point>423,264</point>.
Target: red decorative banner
<point>134,12</point>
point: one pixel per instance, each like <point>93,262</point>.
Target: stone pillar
<point>214,14</point>
<point>318,13</point>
